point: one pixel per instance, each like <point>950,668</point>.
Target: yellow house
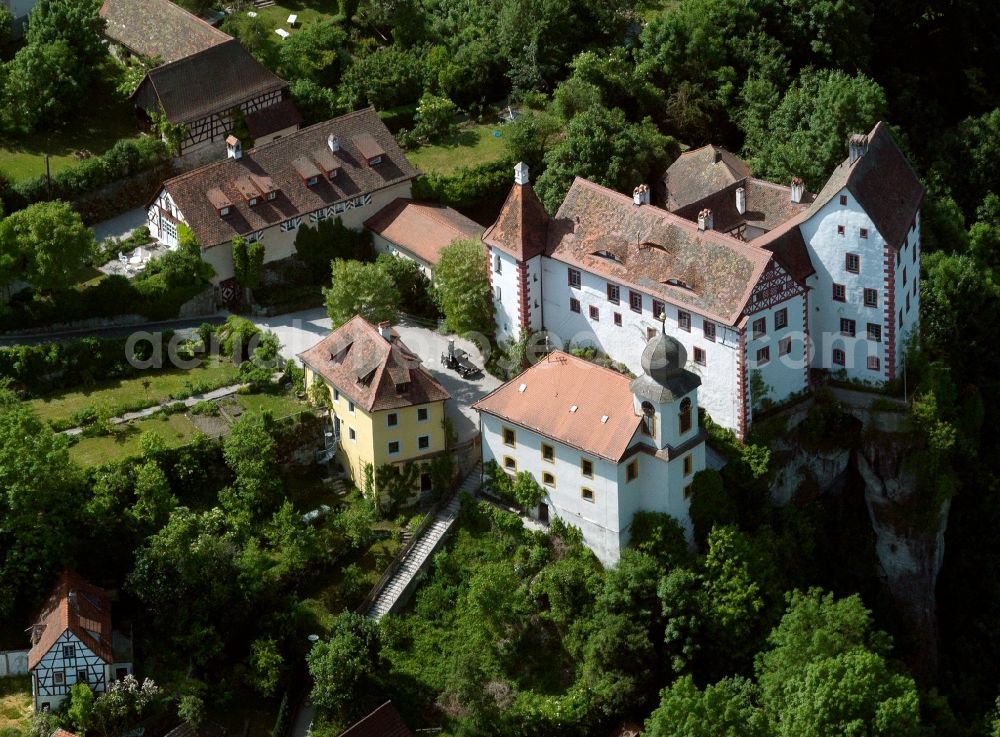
<point>386,408</point>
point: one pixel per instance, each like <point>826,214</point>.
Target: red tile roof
<point>645,247</point>
<point>385,721</point>
<point>80,607</point>
<point>158,29</point>
<point>883,183</point>
<point>552,388</point>
<point>700,172</point>
<point>276,160</point>
<point>368,369</point>
<point>522,225</point>
<point>213,80</point>
<point>422,228</point>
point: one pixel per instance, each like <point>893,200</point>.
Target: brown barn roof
<point>552,388</point>
<point>521,227</point>
<point>213,80</point>
<point>273,118</point>
<point>158,29</point>
<point>385,721</point>
<point>77,606</point>
<point>603,232</point>
<point>368,369</point>
<point>422,228</point>
<point>883,183</point>
<point>277,161</point>
<point>701,172</point>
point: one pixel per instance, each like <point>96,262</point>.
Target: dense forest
<point>779,625</point>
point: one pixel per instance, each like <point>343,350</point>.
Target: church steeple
<point>666,392</point>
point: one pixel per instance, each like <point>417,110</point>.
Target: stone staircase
<point>423,548</point>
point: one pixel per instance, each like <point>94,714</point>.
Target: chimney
<point>798,189</point>
<point>741,200</point>
<point>333,142</point>
<point>521,174</point>
<point>234,149</point>
<point>705,220</point>
<point>640,195</point>
<point>858,146</point>
<point>384,330</point>
<point>717,155</point>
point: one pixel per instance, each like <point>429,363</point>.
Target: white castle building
<point>759,282</point>
<point>602,455</point>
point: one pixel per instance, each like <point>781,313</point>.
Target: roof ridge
<point>283,139</point>
<point>170,64</point>
<point>435,211</point>
<point>310,128</point>
<point>723,239</point>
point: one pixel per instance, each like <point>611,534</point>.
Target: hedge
<point>113,296</point>
<point>128,157</point>
<point>475,190</point>
<point>47,367</point>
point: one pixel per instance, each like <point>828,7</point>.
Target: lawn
<point>103,121</point>
<point>279,405</point>
<point>473,144</point>
<point>132,392</point>
<point>175,430</point>
<point>15,706</point>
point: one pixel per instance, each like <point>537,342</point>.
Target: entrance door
<point>425,482</point>
<point>543,513</point>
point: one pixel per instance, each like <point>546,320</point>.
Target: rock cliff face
<point>909,537</point>
<point>909,528</point>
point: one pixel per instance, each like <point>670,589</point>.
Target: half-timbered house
<point>204,90</point>
<point>349,167</point>
<point>72,641</point>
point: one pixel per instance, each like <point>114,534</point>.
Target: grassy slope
<point>175,430</point>
<point>128,391</point>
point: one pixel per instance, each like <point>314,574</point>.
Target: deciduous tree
<point>361,289</point>
<point>462,289</point>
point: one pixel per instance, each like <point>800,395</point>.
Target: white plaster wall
<point>784,375</point>
<point>828,250</point>
<point>718,392</point>
<point>598,520</point>
<point>383,245</point>
<point>659,488</point>
<point>506,308</point>
<point>280,243</point>
<point>911,317</point>
<point>606,520</point>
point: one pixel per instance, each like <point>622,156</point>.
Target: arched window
<point>685,416</point>
<point>648,420</point>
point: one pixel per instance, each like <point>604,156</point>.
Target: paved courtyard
<point>299,331</point>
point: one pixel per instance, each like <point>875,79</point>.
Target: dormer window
<point>253,201</point>
<point>370,149</point>
<point>311,181</point>
<point>308,170</point>
<point>219,201</point>
<point>271,195</point>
